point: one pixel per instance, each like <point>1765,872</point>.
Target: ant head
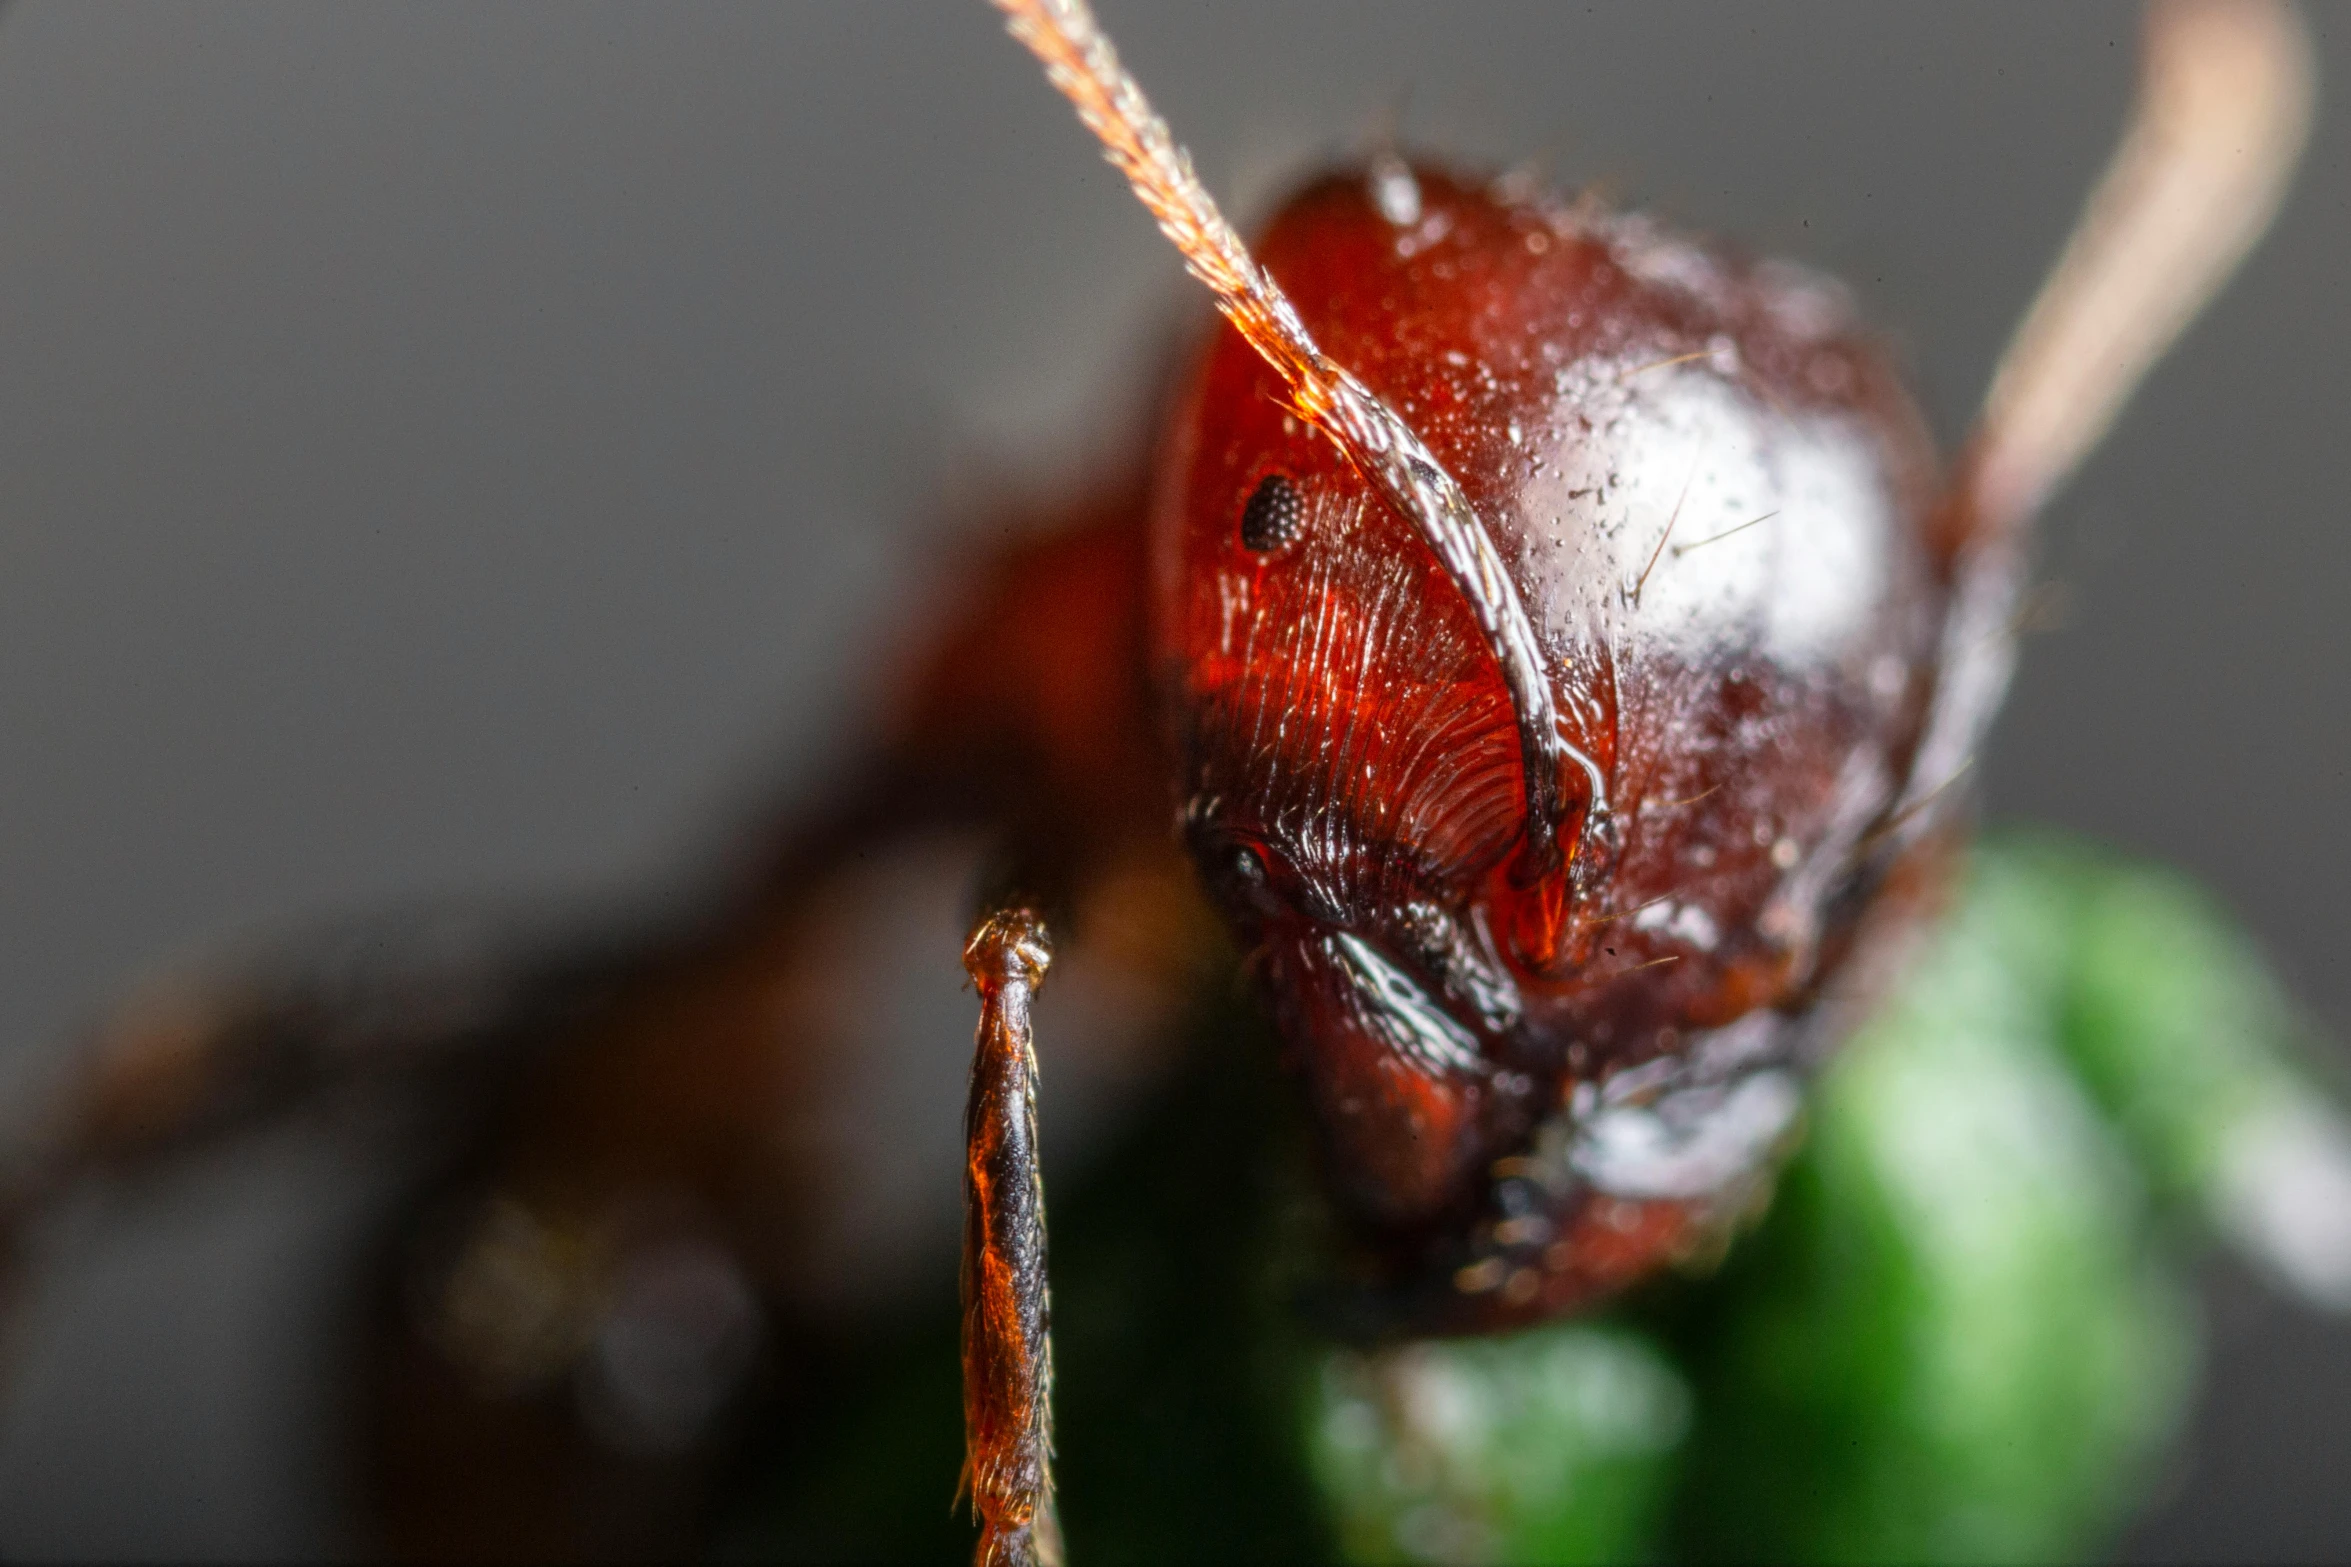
<point>1544,612</point>
<point>1563,626</point>
<point>1724,704</point>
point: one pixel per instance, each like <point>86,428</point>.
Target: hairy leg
<point>1007,1308</point>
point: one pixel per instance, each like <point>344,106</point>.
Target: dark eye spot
<point>1275,514</point>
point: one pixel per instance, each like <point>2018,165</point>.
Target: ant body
<point>1567,652</point>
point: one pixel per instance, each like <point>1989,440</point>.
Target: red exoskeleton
<point>1556,646</point>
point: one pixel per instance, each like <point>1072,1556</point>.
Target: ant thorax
<point>1716,502</point>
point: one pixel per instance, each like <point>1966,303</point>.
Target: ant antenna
<point>1080,62</point>
<point>2215,130</point>
<point>2223,109</point>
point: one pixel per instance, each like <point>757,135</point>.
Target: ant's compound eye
<point>1275,514</point>
<point>1247,868</point>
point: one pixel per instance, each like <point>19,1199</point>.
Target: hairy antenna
<point>1079,60</point>
<point>2222,110</point>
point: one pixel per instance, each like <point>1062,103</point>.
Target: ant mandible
<point>1563,652</point>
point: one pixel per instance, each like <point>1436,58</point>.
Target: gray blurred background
<point>449,450</point>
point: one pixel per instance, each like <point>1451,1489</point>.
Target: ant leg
<point>1007,1316</point>
<point>197,1061</point>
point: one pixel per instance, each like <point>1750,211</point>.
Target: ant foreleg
<point>1007,1314</point>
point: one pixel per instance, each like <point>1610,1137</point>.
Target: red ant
<point>1563,651</point>
<point>1566,643</point>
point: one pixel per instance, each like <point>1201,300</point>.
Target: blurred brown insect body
<point>1559,643</point>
